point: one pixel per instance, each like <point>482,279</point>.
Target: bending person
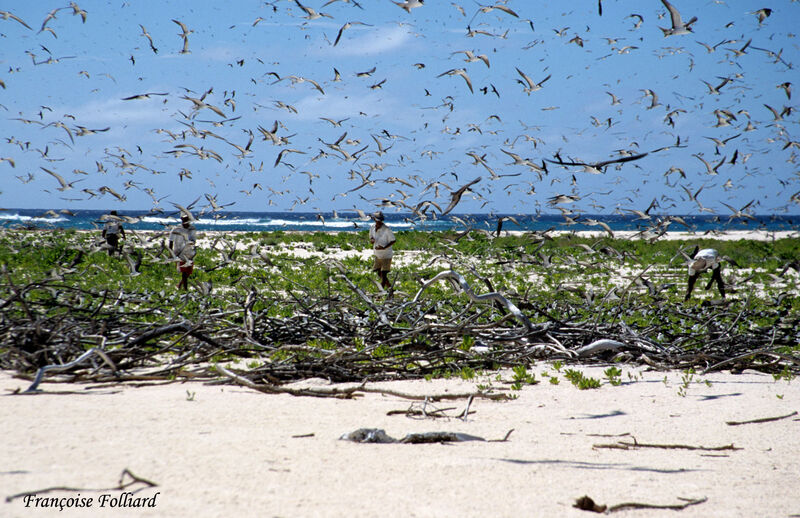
<point>706,259</point>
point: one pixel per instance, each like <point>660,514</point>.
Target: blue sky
<point>250,64</point>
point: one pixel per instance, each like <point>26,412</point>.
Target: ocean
<point>350,222</point>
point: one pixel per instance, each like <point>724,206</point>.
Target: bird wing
<point>673,14</point>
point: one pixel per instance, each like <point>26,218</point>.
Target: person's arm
<point>386,246</point>
<point>122,232</point>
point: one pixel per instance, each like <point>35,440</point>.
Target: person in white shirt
<point>181,242</point>
<point>706,259</point>
<point>382,239</point>
<point>112,232</point>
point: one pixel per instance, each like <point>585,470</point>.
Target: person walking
<point>113,231</point>
<point>382,239</point>
<point>182,241</point>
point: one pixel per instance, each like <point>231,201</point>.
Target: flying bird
<point>678,26</point>
<point>762,14</point>
<point>64,184</point>
<point>459,72</point>
<point>598,167</point>
<point>149,39</point>
<point>471,57</point>
<point>490,8</point>
<point>311,14</point>
<point>5,15</point>
<point>407,5</point>
<point>345,27</point>
<point>77,11</point>
<point>531,85</point>
<point>142,96</point>
<point>455,196</point>
<point>185,36</point>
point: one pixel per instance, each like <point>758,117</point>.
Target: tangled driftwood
<point>49,325</point>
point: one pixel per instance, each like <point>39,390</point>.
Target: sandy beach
<point>230,451</point>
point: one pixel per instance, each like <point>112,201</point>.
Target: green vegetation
<point>521,377</point>
<point>581,381</point>
<point>613,374</point>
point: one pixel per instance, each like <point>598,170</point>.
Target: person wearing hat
<point>181,243</point>
<point>113,231</point>
<point>382,240</point>
<point>701,261</point>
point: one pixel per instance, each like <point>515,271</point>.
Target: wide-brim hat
<point>377,216</point>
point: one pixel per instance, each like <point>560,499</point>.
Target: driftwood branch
<point>761,420</point>
<point>77,361</point>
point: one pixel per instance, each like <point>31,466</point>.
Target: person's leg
<point>184,280</point>
<point>386,266</point>
<point>716,275</point>
<point>690,285</point>
<point>377,268</point>
<point>183,283</point>
<point>112,241</point>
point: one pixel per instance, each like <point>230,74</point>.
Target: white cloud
<point>114,112</point>
<point>339,106</point>
<point>367,41</point>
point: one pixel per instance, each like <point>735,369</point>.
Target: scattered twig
<point>504,439</point>
<point>761,420</point>
<point>585,503</point>
<point>624,445</point>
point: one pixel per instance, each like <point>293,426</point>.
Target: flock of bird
<point>317,108</point>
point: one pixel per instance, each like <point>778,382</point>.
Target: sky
<point>368,106</point>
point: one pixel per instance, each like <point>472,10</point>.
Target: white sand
<point>231,451</point>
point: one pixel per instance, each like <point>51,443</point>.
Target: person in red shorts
<point>382,240</point>
<point>181,243</point>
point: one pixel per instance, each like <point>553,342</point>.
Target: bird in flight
<point>311,14</point>
<point>5,15</point>
<point>459,72</point>
<point>64,184</point>
<point>345,27</point>
<point>141,96</point>
<point>407,5</point>
<point>598,167</point>
<point>185,36</point>
<point>678,26</point>
<point>455,196</point>
<point>532,86</point>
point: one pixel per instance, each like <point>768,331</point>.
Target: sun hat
<point>377,216</point>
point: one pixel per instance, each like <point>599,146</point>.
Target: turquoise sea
<point>350,221</point>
